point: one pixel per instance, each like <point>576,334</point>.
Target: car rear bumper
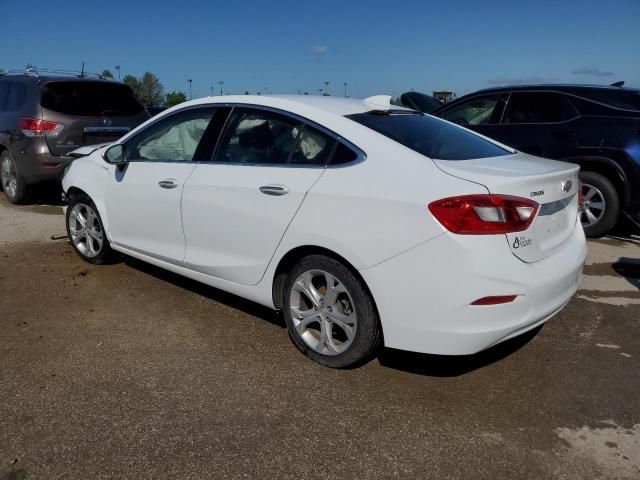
<point>36,163</point>
<point>424,295</point>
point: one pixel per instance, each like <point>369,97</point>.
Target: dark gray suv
<point>46,115</point>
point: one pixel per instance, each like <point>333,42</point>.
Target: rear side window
<point>90,99</point>
<point>4,89</point>
<point>13,96</point>
<point>477,111</point>
<point>313,148</point>
<point>430,136</point>
<point>623,99</point>
<point>538,107</point>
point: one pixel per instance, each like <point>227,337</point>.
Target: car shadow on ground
<point>417,363</point>
<point>212,293</point>
<point>629,268</point>
<point>450,365</point>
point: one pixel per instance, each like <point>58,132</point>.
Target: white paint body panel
<point>372,213</point>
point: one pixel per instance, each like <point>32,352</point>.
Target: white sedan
<point>366,224</point>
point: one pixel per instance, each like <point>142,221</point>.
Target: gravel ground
<point>126,371</point>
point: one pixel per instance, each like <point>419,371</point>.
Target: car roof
<point>560,87</point>
<point>295,103</point>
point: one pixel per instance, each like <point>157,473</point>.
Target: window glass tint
<point>623,99</point>
<point>84,98</point>
<point>430,136</point>
<point>538,107</point>
<point>343,154</point>
<point>4,90</point>
<point>476,111</point>
<point>16,97</point>
<point>262,137</point>
<point>174,138</point>
<point>313,148</point>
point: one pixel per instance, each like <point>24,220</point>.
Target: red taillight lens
<point>484,214</point>
<point>497,300</point>
<point>36,128</point>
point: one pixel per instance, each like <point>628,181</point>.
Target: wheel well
<point>294,256</point>
<point>607,169</point>
<point>73,191</point>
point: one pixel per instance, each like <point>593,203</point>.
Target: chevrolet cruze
<point>366,224</point>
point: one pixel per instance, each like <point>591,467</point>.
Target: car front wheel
<point>330,314</point>
<point>86,231</point>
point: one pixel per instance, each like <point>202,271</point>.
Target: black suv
<point>596,127</point>
<point>44,115</point>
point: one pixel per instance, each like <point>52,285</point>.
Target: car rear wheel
<point>14,187</point>
<point>600,204</point>
<point>330,314</point>
<point>86,231</point>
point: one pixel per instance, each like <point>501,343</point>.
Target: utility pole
<point>118,70</point>
<point>189,81</point>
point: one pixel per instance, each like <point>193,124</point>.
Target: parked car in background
<point>595,127</point>
<point>364,223</point>
<point>44,115</point>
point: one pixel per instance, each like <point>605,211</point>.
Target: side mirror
<point>115,155</point>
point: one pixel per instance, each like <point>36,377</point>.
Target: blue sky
<point>376,47</point>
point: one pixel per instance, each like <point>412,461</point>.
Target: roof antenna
<point>617,84</point>
<point>82,71</point>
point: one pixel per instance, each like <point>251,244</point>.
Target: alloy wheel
<point>86,230</point>
<point>323,312</point>
<point>593,205</point>
<point>9,180</point>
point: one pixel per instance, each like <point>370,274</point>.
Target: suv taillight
<point>39,128</point>
<point>484,214</point>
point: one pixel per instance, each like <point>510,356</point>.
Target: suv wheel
<point>85,230</point>
<point>600,204</point>
<point>329,313</point>
<point>14,187</point>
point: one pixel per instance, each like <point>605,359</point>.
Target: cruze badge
<point>566,186</point>
<point>537,194</point>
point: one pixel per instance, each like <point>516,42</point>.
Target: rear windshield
<point>430,136</point>
<point>625,100</point>
<point>91,99</point>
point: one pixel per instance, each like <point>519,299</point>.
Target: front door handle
<point>274,189</point>
<point>168,183</point>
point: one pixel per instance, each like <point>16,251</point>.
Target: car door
<point>143,197</point>
<point>539,123</point>
<point>236,208</point>
<point>480,114</point>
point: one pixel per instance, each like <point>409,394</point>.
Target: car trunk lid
<point>553,185</point>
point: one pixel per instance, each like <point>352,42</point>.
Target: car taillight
<point>484,214</point>
<point>39,128</point>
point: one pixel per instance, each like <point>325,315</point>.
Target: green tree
<point>29,65</point>
<point>133,83</point>
<point>107,74</point>
<point>151,91</point>
<point>174,98</point>
<point>246,92</point>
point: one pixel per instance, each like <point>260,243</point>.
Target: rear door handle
<point>168,183</point>
<point>274,189</point>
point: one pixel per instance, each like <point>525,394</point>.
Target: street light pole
<point>212,91</point>
<point>118,70</point>
<point>345,89</point>
<point>221,83</point>
<point>189,81</point>
<point>326,88</point>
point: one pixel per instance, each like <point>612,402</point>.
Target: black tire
<point>368,334</point>
<point>609,217</point>
<point>19,194</point>
<point>104,254</point>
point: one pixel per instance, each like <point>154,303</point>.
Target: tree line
<point>149,89</point>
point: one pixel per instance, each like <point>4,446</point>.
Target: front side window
<point>476,111</point>
<point>430,136</point>
<point>174,138</point>
<point>538,107</point>
<point>256,136</point>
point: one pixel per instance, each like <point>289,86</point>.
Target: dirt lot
<point>125,371</point>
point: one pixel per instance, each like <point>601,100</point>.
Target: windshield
<point>91,99</point>
<point>430,136</point>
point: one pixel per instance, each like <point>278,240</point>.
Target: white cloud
<point>592,71</point>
